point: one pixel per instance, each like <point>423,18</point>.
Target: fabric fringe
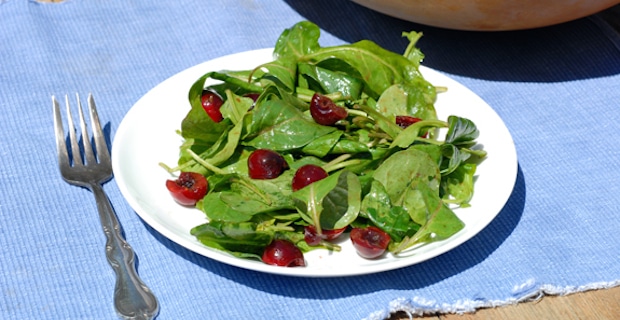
<point>526,292</point>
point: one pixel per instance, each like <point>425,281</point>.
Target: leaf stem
<point>204,163</point>
<point>341,165</point>
<point>313,210</point>
<point>255,189</point>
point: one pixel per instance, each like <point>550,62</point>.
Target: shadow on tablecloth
<point>581,49</point>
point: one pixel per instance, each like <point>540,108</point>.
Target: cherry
<point>212,102</point>
<point>252,95</point>
<point>405,121</point>
<point>324,111</point>
<point>266,164</point>
<point>188,188</point>
<point>306,175</point>
<point>369,242</point>
<point>284,254</point>
<point>313,238</point>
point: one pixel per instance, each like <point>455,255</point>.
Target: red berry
<point>252,95</point>
<point>266,164</point>
<point>188,188</point>
<point>313,238</point>
<point>324,111</point>
<point>211,103</point>
<point>405,121</point>
<point>369,242</point>
<point>306,175</point>
<point>284,254</point>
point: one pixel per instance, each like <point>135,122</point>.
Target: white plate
<point>147,136</point>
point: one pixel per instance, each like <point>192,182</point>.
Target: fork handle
<point>132,298</point>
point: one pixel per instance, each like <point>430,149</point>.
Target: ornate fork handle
<point>132,298</point>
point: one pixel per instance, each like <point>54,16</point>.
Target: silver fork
<point>132,298</point>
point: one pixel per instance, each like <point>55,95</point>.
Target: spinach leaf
<point>281,73</point>
<point>321,146</point>
<point>394,220</point>
<point>297,41</point>
<point>458,186</point>
<point>413,53</point>
<point>461,131</point>
<point>380,68</point>
<point>327,81</point>
<point>442,223</point>
<point>331,203</point>
<point>402,169</point>
<point>241,239</point>
<point>278,126</point>
<point>235,107</point>
<point>415,98</point>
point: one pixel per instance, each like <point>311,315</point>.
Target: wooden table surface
<point>601,304</point>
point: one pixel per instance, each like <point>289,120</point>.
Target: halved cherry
<point>313,238</point>
<point>188,188</point>
<point>211,103</point>
<point>283,253</point>
<point>324,111</point>
<point>370,242</point>
<point>405,121</point>
<point>252,95</point>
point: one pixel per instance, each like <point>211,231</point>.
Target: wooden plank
<point>596,304</point>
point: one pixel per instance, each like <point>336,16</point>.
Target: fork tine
<point>75,147</point>
<point>89,155</point>
<point>61,146</point>
<point>102,147</point>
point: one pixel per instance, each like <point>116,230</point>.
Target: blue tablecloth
<point>557,89</point>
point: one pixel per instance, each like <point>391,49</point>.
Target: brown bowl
<point>488,15</point>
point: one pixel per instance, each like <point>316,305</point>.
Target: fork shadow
<point>574,50</point>
<point>458,260</point>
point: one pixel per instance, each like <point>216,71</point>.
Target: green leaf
<point>331,81</point>
<point>407,137</point>
<point>442,223</point>
<point>321,146</point>
<point>299,40</point>
<point>216,209</point>
<point>239,82</point>
<point>412,52</point>
<point>386,124</point>
<point>331,203</point>
<point>461,131</point>
<point>380,68</point>
<point>197,124</point>
<point>405,167</point>
<point>458,186</point>
<point>281,73</point>
<point>394,220</point>
<point>235,107</point>
<point>240,239</point>
<point>279,126</point>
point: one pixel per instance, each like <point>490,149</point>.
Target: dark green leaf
<point>461,131</point>
<point>279,126</point>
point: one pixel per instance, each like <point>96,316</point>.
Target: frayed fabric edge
<point>418,306</point>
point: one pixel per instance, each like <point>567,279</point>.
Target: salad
<point>320,142</point>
